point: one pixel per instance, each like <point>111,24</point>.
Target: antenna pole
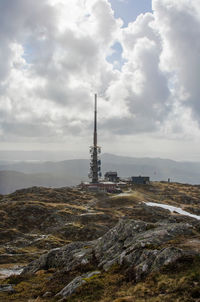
<point>95,163</point>
<point>95,120</point>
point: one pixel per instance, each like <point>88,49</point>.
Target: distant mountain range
<point>71,172</point>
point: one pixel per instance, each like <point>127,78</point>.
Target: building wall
<point>103,187</point>
<point>140,180</point>
<point>111,176</point>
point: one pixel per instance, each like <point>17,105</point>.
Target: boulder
<point>75,284</point>
<point>68,257</point>
<point>131,243</point>
<point>7,288</point>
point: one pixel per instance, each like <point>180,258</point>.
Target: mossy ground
<point>173,284</point>
<point>179,283</point>
<point>57,213</point>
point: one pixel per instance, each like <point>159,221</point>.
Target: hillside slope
<point>108,247</point>
<point>11,181</point>
<point>72,172</point>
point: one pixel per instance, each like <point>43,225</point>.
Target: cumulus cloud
<point>142,87</point>
<point>54,56</point>
<point>179,27</point>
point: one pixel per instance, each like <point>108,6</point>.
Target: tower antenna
<point>95,150</point>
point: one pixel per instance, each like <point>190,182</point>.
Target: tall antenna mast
<point>95,120</point>
<point>95,163</point>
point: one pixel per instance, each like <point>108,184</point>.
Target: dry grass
<point>176,284</point>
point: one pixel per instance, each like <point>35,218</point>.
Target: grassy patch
<point>177,283</point>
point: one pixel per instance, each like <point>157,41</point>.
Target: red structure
<point>100,186</point>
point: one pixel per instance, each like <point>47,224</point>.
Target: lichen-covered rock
<point>129,239</point>
<point>6,288</point>
<point>68,257</point>
<point>146,261</point>
<point>130,243</point>
<point>47,295</point>
<point>75,284</point>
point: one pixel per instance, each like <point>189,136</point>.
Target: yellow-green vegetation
<point>10,265</point>
<point>171,193</point>
<point>32,223</point>
<point>176,194</point>
<point>174,284</point>
<point>131,199</point>
<point>26,288</point>
<point>180,282</point>
<point>181,195</point>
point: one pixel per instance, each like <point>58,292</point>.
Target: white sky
<point>56,54</point>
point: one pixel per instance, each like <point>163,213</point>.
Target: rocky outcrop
<point>75,284</point>
<point>131,244</point>
<point>7,288</point>
<point>36,220</point>
<point>68,257</point>
<point>58,195</point>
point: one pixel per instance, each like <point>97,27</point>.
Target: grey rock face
<point>69,257</point>
<point>75,284</point>
<point>47,295</point>
<point>147,261</point>
<point>130,243</point>
<point>6,288</point>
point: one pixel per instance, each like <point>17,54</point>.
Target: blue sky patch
<point>128,10</point>
<point>116,58</point>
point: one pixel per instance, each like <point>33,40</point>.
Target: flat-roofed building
<point>140,180</point>
<point>111,176</point>
<point>104,186</point>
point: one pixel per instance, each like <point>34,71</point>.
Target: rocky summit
<point>130,241</point>
<point>69,245</point>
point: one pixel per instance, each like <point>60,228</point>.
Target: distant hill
<point>71,172</point>
<point>11,181</point>
<point>156,168</point>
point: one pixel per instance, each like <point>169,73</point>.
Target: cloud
<point>179,27</point>
<point>146,96</point>
<point>53,57</point>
